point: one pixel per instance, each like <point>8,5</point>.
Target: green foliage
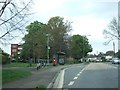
<point>79,46</point>
<point>35,41</point>
<point>11,75</point>
<point>58,30</point>
<point>35,45</point>
<point>103,59</point>
<point>18,65</point>
<point>118,54</point>
<point>111,53</point>
<point>5,58</point>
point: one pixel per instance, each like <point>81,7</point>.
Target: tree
<point>35,45</point>
<point>35,41</point>
<point>101,54</point>
<point>58,30</point>
<point>118,54</point>
<point>13,15</point>
<point>79,46</point>
<point>113,31</point>
<point>111,53</point>
<point>4,57</point>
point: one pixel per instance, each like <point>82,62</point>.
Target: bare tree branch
<point>15,14</point>
<point>13,19</point>
<point>4,6</point>
<point>112,32</point>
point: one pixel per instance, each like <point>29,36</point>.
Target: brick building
<point>14,51</point>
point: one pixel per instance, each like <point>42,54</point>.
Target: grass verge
<point>18,65</point>
<point>12,75</point>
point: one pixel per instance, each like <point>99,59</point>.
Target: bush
<point>118,54</point>
<point>103,59</point>
<point>5,59</point>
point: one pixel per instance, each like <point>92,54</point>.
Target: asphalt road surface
<point>93,75</point>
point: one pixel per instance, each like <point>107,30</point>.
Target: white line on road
<point>82,70</point>
<point>78,74</point>
<point>71,83</point>
<point>115,67</point>
<point>75,78</point>
<point>61,79</point>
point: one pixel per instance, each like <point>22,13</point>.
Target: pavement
<point>42,77</point>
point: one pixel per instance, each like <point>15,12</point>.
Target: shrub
<point>5,58</point>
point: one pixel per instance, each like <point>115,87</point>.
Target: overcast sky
<point>88,17</point>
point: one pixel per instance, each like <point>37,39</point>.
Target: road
<point>93,75</point>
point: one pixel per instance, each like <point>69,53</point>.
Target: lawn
<point>18,65</point>
<point>11,75</point>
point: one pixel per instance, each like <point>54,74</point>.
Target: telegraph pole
<point>48,48</point>
<point>114,48</point>
<point>119,29</point>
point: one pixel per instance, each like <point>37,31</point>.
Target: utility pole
<point>114,48</point>
<point>119,29</point>
<point>83,49</point>
<point>48,48</point>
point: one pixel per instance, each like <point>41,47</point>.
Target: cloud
<point>47,6</point>
<point>88,25</point>
<point>89,17</point>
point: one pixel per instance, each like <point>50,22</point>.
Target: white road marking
<point>71,83</point>
<point>61,79</point>
<point>80,72</point>
<point>115,67</point>
<point>75,78</point>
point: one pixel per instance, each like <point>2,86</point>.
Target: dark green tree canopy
<point>58,30</point>
<point>80,46</point>
<point>36,40</point>
<point>111,53</point>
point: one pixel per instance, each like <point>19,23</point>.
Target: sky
<point>88,17</point>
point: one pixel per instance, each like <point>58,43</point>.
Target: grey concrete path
<point>43,76</point>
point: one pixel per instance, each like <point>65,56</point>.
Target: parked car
<point>115,61</point>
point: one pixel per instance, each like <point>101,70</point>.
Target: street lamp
<point>48,48</point>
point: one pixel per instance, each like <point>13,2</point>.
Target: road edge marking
<point>60,85</point>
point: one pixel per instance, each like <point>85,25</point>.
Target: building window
<point>14,46</point>
<point>14,50</point>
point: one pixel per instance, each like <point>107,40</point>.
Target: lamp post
<point>48,49</point>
